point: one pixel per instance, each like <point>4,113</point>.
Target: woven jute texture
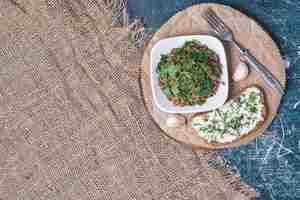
<point>73,124</point>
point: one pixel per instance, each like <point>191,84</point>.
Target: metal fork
<point>225,34</point>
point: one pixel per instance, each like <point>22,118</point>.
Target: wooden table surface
<point>271,163</point>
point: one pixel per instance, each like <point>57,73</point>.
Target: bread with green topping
<point>239,117</point>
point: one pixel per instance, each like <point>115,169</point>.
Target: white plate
<point>165,46</point>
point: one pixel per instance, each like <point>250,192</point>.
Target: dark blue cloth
<point>271,163</point>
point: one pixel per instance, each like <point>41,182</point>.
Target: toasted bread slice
<point>227,140</point>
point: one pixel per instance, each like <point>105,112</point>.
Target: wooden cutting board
<point>250,35</point>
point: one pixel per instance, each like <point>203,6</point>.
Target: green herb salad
<point>189,75</point>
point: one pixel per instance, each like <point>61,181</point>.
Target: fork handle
<point>266,74</point>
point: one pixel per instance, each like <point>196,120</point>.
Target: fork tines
<point>214,21</point>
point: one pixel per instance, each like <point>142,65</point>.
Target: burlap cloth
<point>72,120</point>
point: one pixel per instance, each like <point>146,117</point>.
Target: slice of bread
<point>227,139</point>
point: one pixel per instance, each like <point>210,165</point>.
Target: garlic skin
<point>174,121</point>
<point>241,72</point>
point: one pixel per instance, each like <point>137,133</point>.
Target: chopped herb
<point>237,117</point>
<point>190,74</point>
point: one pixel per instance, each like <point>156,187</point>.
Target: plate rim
<point>187,38</point>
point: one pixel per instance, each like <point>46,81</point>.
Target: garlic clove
<point>174,121</point>
<point>241,72</point>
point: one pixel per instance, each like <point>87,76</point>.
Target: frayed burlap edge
<point>137,40</point>
<point>133,37</point>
